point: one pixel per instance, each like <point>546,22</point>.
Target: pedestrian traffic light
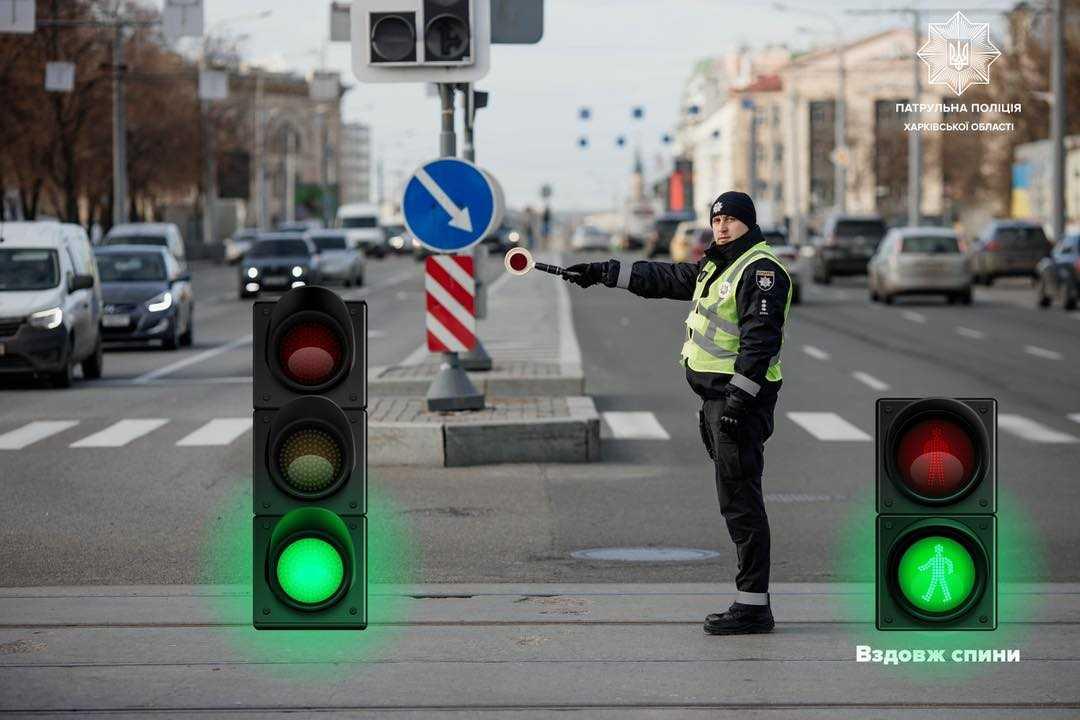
<point>309,477</point>
<point>421,40</point>
<point>936,548</point>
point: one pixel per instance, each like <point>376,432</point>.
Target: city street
<point>147,454</point>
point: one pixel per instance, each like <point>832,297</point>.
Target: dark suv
<point>846,246</point>
<point>1008,248</point>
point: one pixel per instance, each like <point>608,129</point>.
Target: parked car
<point>791,257</point>
<point>658,240</point>
<point>166,235</point>
<point>338,261</point>
<point>919,260</point>
<point>238,245</point>
<point>279,261</point>
<point>689,242</point>
<point>365,231</point>
<point>1059,274</point>
<point>50,302</point>
<point>147,296</point>
<point>1008,248</point>
<point>846,245</point>
<point>590,237</point>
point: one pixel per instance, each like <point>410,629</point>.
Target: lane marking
<point>1042,352</point>
<point>827,426</point>
<point>970,333</point>
<point>376,334</point>
<point>569,348</point>
<point>816,353</point>
<point>913,316</point>
<point>33,432</point>
<point>119,433</point>
<point>194,359</point>
<point>1075,417</point>
<point>870,380</point>
<point>1028,429</point>
<point>635,426</point>
<point>219,431</point>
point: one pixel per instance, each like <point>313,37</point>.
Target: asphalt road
<point>141,512</point>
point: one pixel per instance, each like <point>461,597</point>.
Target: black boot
<point>740,620</point>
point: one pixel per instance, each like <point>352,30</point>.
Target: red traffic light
<point>935,457</point>
<point>310,353</point>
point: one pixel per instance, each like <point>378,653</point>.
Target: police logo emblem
<point>766,279</point>
<point>724,290</point>
<point>718,208</point>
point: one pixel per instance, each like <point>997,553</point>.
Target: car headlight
<point>514,236</point>
<point>161,302</point>
<point>253,273</point>
<point>297,271</point>
<point>47,319</point>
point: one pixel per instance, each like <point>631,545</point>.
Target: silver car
<point>919,260</point>
<point>338,261</point>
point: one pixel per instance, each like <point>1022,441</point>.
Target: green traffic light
<point>310,570</point>
<point>936,574</point>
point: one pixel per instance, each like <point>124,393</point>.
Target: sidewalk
<point>522,650</point>
<point>536,410</point>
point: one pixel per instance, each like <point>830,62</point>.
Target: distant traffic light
<point>445,41</point>
<point>936,548</point>
<point>310,462</point>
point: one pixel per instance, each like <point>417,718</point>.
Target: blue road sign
<point>449,205</point>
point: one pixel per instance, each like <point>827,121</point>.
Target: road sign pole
<point>452,389</point>
<point>476,359</point>
<point>120,185</point>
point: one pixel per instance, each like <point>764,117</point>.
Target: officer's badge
<point>724,290</point>
<point>718,209</point>
<point>766,279</point>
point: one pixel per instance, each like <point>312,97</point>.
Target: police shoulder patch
<point>765,279</point>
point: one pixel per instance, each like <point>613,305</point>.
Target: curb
<point>570,439</point>
<point>569,382</point>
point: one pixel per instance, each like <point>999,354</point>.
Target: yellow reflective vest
<point>712,327</point>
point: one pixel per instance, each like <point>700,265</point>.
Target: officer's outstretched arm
<point>761,301</point>
<point>674,281</point>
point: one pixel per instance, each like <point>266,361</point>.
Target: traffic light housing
<point>421,40</point>
<point>936,495</point>
<point>309,492</point>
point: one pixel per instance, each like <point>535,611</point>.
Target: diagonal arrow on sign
<point>459,217</point>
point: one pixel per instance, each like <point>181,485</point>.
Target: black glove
<point>736,406</point>
<point>588,274</point>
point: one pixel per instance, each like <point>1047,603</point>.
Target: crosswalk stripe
<point>870,380</point>
<point>1028,429</point>
<point>1075,417</point>
<point>1042,352</point>
<point>814,352</point>
<point>635,425</point>
<point>970,333</point>
<point>827,426</point>
<point>33,432</point>
<point>119,433</point>
<point>913,316</point>
<point>219,431</point>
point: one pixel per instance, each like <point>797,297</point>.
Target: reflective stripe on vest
<point>712,336</point>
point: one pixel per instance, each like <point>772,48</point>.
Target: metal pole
<point>260,155</point>
<point>451,389</point>
<point>120,183</point>
<point>324,166</point>
<point>290,174</point>
<point>209,181</point>
<point>478,358</point>
<point>840,127</point>
<point>751,163</point>
<point>795,189</point>
<point>915,137</point>
<point>1057,123</point>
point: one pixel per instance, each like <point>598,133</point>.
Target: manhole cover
<point>645,554</point>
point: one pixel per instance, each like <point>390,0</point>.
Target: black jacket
<point>760,304</point>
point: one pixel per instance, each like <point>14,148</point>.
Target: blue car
<point>146,296</point>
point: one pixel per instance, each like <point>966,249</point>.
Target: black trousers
<point>739,461</point>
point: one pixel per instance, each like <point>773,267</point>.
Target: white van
<point>50,302</point>
<point>165,235</point>
<point>361,221</point>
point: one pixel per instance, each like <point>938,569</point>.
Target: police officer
<point>740,294</point>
